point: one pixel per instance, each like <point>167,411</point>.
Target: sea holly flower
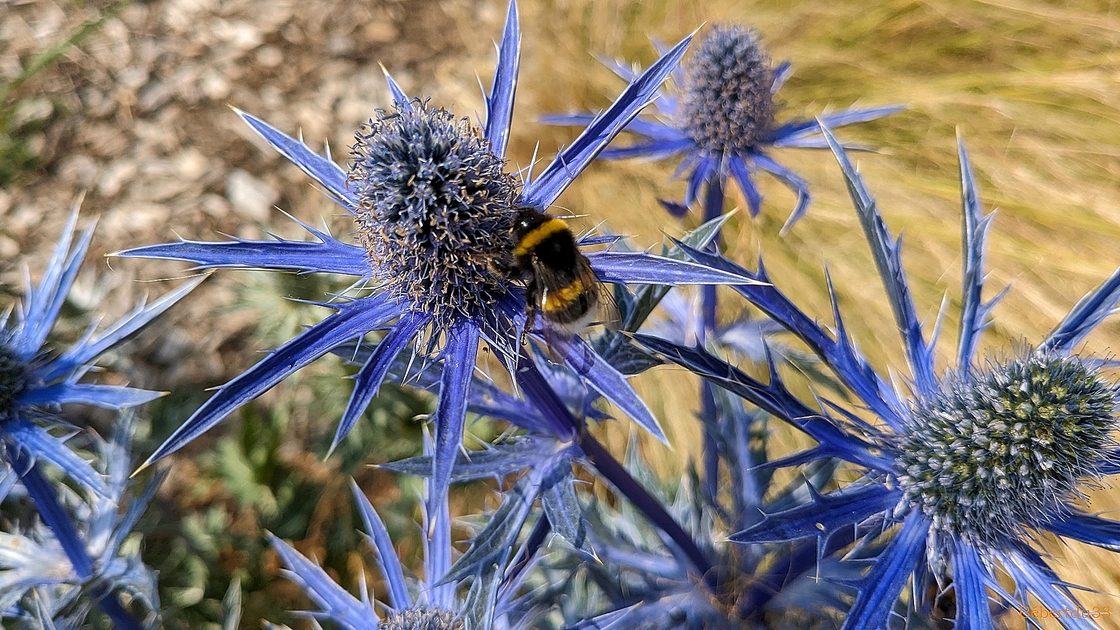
<point>963,469</point>
<point>722,123</point>
<point>35,381</point>
<point>39,576</point>
<point>434,213</point>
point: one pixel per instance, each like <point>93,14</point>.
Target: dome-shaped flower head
<point>723,121</point>
<point>435,213</point>
<point>962,470</point>
<point>35,380</point>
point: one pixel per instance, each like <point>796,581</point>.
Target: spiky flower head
<point>435,212</point>
<point>1005,448</point>
<point>728,104</point>
<point>13,380</point>
<point>423,619</point>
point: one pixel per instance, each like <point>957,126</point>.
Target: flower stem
<point>614,472</point>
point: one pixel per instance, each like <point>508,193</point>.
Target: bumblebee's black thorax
<point>545,238</point>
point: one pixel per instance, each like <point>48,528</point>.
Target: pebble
<point>250,197</point>
<point>115,175</point>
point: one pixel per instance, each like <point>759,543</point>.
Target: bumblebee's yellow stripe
<point>539,233</point>
<point>560,299</point>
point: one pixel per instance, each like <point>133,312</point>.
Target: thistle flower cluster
<point>956,474</point>
<point>728,105</point>
<point>435,211</point>
<point>1003,449</point>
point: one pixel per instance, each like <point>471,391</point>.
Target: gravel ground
<point>139,121</point>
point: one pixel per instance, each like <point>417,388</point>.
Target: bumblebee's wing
<point>607,309</point>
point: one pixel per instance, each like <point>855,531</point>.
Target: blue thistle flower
<point>39,576</point>
<point>723,122</point>
<point>962,469</point>
<point>431,204</point>
<point>35,382</point>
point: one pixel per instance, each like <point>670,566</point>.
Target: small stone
<point>214,205</point>
<point>242,35</point>
<point>250,197</point>
<point>269,56</point>
<point>191,164</point>
<point>132,78</point>
<point>79,169</point>
<point>340,46</point>
<point>136,217</point>
<point>31,110</point>
<point>154,95</point>
<point>380,32</point>
<point>115,176</point>
<point>9,248</point>
<point>214,85</point>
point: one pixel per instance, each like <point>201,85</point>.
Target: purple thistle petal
<point>609,383</point>
<point>1033,576</point>
<point>451,410</point>
<point>888,259</point>
<point>544,190</point>
<point>499,104</point>
<point>742,176</point>
<point>850,366</point>
<point>325,172</point>
<point>400,99</point>
<point>655,150</point>
<point>703,169</point>
<point>678,210</point>
<point>970,584</point>
<point>104,396</point>
<point>1085,316</point>
<point>82,353</point>
<point>352,320</point>
<point>772,397</point>
<point>329,255</point>
<point>892,570</point>
<point>974,311</point>
<point>34,443</point>
<point>793,181</point>
<point>782,73</point>
<point>805,133</point>
<point>370,376</point>
<point>492,462</point>
<point>825,515</point>
<point>643,268</point>
<point>1086,528</point>
<point>40,310</point>
<point>51,511</point>
<point>620,68</point>
<point>339,606</point>
<point>383,551</point>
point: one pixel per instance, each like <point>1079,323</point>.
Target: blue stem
<point>540,393</point>
<point>713,207</point>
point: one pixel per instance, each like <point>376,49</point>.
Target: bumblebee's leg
<point>530,313</point>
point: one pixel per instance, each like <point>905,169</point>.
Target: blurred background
<point>129,103</point>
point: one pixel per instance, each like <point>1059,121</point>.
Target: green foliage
<point>23,116</point>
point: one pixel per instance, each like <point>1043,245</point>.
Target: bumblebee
<point>559,282</point>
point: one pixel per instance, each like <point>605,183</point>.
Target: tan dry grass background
<point>1032,87</point>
